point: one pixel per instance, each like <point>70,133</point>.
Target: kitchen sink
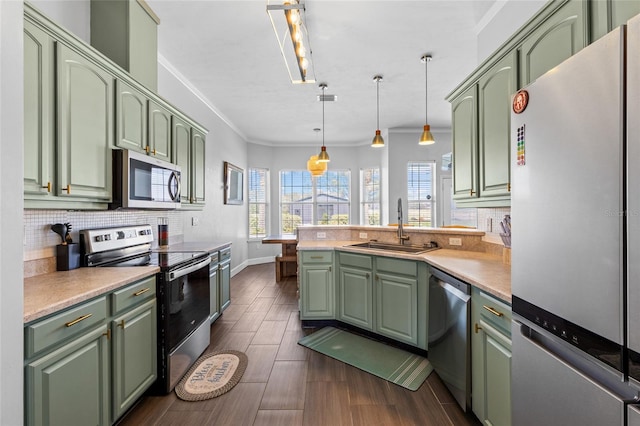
<point>404,248</point>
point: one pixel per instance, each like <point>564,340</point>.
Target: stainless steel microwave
<point>144,182</point>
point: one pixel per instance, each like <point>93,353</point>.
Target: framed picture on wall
<point>233,184</point>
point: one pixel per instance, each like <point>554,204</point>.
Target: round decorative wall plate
<point>520,101</point>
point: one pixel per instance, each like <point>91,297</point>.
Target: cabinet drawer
<point>357,260</point>
<point>397,266</point>
<point>225,254</point>
<point>493,311</point>
<point>133,294</point>
<point>316,256</point>
<point>54,330</point>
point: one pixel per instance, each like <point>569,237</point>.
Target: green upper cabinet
<point>85,127</point>
<point>609,14</point>
<point>495,89</point>
<point>189,154</point>
<point>126,31</point>
<point>198,163</point>
<point>159,144</point>
<point>181,132</point>
<point>465,144</point>
<point>131,112</point>
<point>38,113</point>
<point>563,34</point>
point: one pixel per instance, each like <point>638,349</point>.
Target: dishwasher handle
<point>454,291</point>
<point>461,286</point>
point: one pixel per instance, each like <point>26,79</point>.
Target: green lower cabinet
<point>317,292</point>
<point>491,360</point>
<point>71,385</point>
<point>224,275</point>
<point>356,297</point>
<point>317,285</point>
<point>134,355</point>
<point>214,292</point>
<point>397,307</point>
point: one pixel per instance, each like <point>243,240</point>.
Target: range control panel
<point>99,240</point>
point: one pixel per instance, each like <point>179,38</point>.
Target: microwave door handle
<point>184,271</point>
<point>176,196</point>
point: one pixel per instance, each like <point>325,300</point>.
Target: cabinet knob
<point>154,151</point>
<point>476,328</point>
<point>48,186</point>
<point>107,333</point>
<point>472,192</point>
<point>147,149</point>
<point>509,187</point>
<point>121,324</point>
<point>67,188</point>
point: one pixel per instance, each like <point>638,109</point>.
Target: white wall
<point>11,172</point>
<point>403,147</point>
<point>217,222</point>
<point>74,15</point>
<point>502,21</point>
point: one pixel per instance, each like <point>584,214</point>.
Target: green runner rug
<point>395,365</point>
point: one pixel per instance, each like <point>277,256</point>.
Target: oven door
<point>184,303</point>
<point>183,326</point>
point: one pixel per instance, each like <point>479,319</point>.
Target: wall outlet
<point>195,221</point>
<point>455,241</point>
<point>363,235</point>
<point>321,235</point>
<point>489,225</point>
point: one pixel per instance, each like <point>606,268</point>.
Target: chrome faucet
<point>401,235</point>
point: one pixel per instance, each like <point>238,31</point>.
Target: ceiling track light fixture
<point>426,138</point>
<point>290,25</point>
<point>323,157</point>
<point>378,141</point>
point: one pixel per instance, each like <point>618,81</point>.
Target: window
<point>324,200</point>
<point>370,196</point>
<point>258,205</point>
<point>420,202</point>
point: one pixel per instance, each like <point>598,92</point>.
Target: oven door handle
<point>189,269</point>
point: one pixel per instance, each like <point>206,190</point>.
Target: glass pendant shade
<point>378,141</point>
<point>323,157</point>
<point>315,167</point>
<point>426,138</point>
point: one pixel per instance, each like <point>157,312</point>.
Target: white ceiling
<point>229,52</point>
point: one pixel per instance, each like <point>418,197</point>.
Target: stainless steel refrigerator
<point>576,238</point>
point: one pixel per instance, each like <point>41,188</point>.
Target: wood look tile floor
<point>287,384</point>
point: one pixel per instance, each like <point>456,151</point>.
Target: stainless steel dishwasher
<point>449,348</point>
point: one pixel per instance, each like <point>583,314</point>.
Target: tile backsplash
<point>40,241</point>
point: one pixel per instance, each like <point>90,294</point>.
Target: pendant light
<point>377,141</point>
<point>323,157</point>
<point>426,138</point>
<point>315,167</point>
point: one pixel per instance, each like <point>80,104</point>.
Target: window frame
<point>432,201</point>
<point>264,203</point>
<point>313,202</point>
<point>363,219</point>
